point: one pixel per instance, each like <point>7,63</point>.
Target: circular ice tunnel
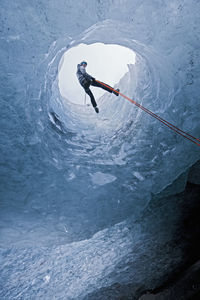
<point>109,159</point>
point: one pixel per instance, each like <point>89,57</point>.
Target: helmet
<point>83,62</point>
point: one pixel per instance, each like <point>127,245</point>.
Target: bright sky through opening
<point>106,62</point>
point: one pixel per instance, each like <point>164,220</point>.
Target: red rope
<point>168,124</point>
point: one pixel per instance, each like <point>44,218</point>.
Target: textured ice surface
<point>99,178</point>
<point>116,263</point>
<point>67,174</point>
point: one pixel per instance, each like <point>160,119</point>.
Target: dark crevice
<point>185,238</point>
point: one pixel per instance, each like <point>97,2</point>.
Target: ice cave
<point>100,206</point>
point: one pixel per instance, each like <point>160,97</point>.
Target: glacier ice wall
<point>66,173</point>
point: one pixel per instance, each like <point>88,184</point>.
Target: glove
<point>92,78</point>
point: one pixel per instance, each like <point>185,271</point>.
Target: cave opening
<point>106,62</point>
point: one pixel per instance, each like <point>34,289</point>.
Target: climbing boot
<point>96,109</point>
<point>116,92</point>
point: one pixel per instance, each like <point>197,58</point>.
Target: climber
<point>86,80</point>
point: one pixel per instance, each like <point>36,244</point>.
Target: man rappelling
<point>87,80</point>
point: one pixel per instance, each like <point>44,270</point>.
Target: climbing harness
<point>168,124</point>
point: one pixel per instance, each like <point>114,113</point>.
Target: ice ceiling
<point>69,175</point>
